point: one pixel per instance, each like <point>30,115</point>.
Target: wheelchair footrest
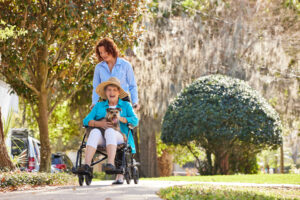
<point>116,171</point>
<point>74,170</point>
<point>78,172</point>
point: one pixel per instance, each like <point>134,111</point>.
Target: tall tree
<point>50,63</point>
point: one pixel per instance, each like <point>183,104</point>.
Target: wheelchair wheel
<point>135,174</point>
<point>80,179</point>
<point>88,179</point>
<point>127,177</point>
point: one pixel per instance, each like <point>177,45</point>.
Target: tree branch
<point>190,149</point>
<point>31,72</point>
<point>87,71</point>
<point>32,109</point>
<point>25,18</point>
<point>59,100</point>
<point>59,52</point>
<point>83,61</point>
<point>30,86</point>
<point>54,77</point>
<point>248,47</point>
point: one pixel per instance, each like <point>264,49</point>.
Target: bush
<point>221,114</point>
<point>103,176</point>
<point>16,179</point>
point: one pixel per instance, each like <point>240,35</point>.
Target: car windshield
<point>56,160</point>
<point>18,145</point>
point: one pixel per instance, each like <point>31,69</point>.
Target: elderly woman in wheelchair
<point>108,133</point>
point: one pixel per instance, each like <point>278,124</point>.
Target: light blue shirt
<point>123,71</point>
<point>99,112</point>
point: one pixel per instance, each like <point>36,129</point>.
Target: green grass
<point>208,192</point>
<point>255,178</point>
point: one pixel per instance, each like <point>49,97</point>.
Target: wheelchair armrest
<point>130,126</point>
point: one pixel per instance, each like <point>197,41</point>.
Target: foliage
<point>8,123</point>
<point>65,128</point>
<point>239,178</point>
<point>243,160</point>
<point>219,107</point>
<point>293,4</point>
<point>179,7</point>
<point>226,193</point>
<point>103,176</point>
<point>181,154</point>
<point>52,61</point>
<point>20,160</point>
<point>8,31</point>
<point>65,125</point>
<point>17,179</point>
<point>217,112</point>
<point>62,35</point>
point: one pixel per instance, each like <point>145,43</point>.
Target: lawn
<point>207,192</point>
<point>255,178</point>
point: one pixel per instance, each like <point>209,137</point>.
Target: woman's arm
<point>90,121</point>
<point>96,82</point>
<point>101,124</point>
<point>90,116</point>
<point>132,84</point>
<point>131,117</point>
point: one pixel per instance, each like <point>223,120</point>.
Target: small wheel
<point>80,179</point>
<point>135,174</point>
<point>88,179</point>
<point>127,177</point>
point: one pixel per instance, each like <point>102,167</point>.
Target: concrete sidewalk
<point>104,190</point>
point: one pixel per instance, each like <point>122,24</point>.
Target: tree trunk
<point>221,163</point>
<point>5,162</point>
<point>148,155</point>
<point>281,159</point>
<point>224,164</point>
<point>209,162</point>
<point>165,163</point>
<point>44,135</point>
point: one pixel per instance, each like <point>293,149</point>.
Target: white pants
<point>111,137</point>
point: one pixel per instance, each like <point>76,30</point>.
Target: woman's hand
<point>100,124</point>
<point>136,106</point>
<point>92,106</point>
<point>104,124</point>
<point>123,120</point>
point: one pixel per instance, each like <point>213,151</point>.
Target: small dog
<point>113,115</point>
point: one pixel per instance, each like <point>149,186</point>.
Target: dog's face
<point>113,114</point>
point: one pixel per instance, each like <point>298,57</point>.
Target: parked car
<point>24,148</point>
<point>60,162</point>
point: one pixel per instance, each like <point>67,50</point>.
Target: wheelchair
<point>124,161</point>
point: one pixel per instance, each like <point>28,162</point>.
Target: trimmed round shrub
<point>218,111</point>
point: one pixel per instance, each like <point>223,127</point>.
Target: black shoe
<point>117,182</point>
<point>109,167</point>
<point>86,169</point>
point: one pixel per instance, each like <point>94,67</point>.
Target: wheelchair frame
<point>126,164</point>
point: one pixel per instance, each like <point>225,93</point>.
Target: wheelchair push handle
<point>130,126</point>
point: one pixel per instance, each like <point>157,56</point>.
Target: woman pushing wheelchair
<point>113,78</point>
<point>105,133</point>
<point>111,65</point>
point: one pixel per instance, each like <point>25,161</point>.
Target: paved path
<point>103,190</point>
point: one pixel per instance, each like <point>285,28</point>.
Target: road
<point>103,190</point>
